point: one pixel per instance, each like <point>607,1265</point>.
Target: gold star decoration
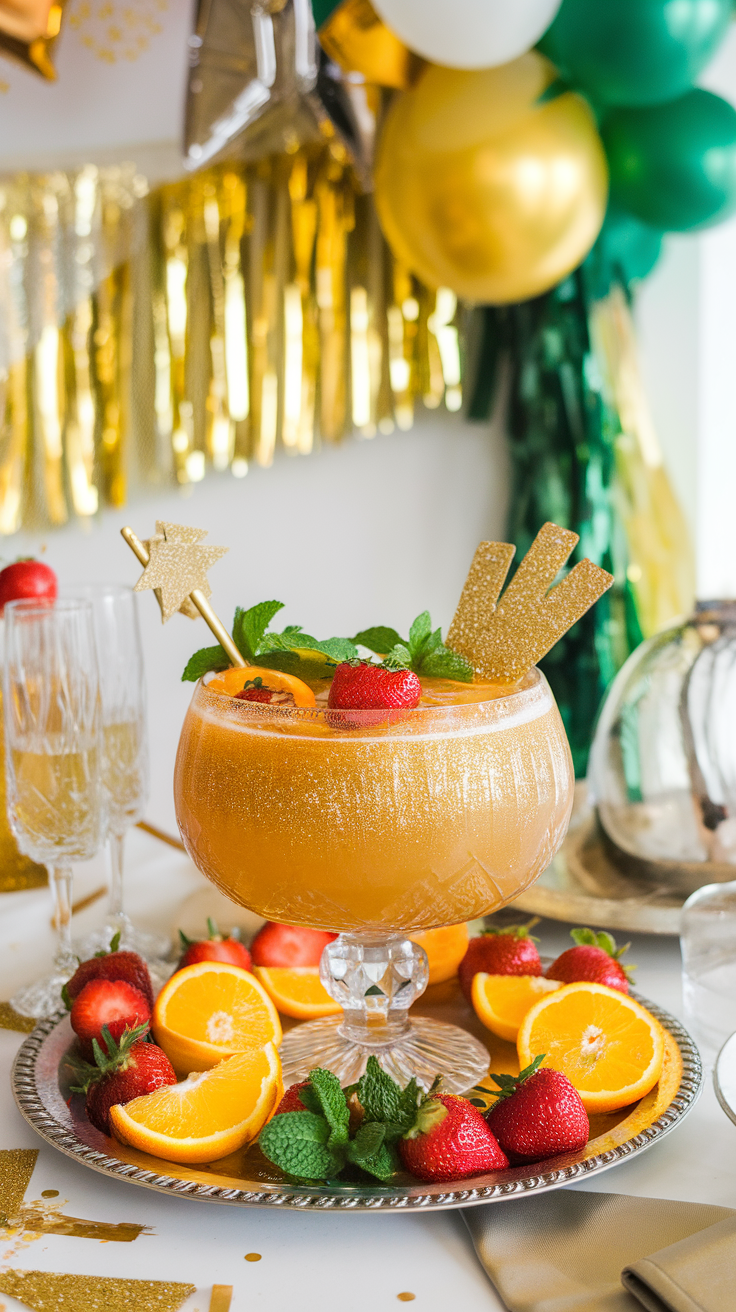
<point>28,32</point>
<point>504,639</point>
<point>177,566</point>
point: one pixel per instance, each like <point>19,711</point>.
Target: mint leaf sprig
<point>292,651</point>
<point>316,1144</point>
<point>423,652</point>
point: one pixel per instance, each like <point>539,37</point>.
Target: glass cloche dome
<point>662,770</point>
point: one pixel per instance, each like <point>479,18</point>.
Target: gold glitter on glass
<point>48,1291</point>
<point>117,30</point>
<point>503,639</point>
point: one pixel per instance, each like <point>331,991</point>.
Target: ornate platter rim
<point>36,1099</point>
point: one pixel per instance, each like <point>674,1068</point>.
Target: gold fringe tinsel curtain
<point>148,337</point>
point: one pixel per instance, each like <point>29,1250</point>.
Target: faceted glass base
<point>43,998</point>
<point>425,1049</point>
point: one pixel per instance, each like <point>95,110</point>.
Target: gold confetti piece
<point>177,567</point>
<point>49,1193</point>
<point>503,641</point>
<point>49,1291</point>
<point>222,1297</point>
<point>16,1169</point>
<point>10,1019</point>
<point>253,1257</point>
<point>406,1297</point>
<point>49,1221</point>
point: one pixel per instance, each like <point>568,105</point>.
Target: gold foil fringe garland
<point>149,338</point>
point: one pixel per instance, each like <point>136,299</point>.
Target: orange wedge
<point>607,1045</point>
<point>210,1011</point>
<point>502,1001</point>
<point>297,991</point>
<point>234,680</point>
<point>208,1115</point>
<point>445,949</point>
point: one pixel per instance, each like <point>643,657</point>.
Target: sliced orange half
<point>210,1011</point>
<point>208,1115</point>
<point>445,949</point>
<point>297,991</point>
<point>234,680</point>
<point>607,1045</point>
<point>502,1001</point>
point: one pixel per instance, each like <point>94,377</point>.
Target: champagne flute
<point>52,760</point>
<point>124,751</point>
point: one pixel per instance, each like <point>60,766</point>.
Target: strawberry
<point>214,948</point>
<point>449,1141</point>
<point>113,964</point>
<point>361,686</point>
<point>595,959</point>
<point>129,1069</point>
<point>255,691</point>
<point>107,1002</point>
<point>27,579</point>
<point>510,951</point>
<point>538,1114</point>
<point>289,945</point>
<point>291,1102</point>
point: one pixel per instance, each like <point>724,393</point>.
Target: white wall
<point>371,532</point>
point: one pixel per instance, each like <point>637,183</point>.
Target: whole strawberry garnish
<point>256,691</point>
<point>595,960</point>
<point>127,1070</point>
<point>215,948</point>
<point>27,579</point>
<point>107,1003</point>
<point>449,1141</point>
<point>110,965</point>
<point>538,1114</point>
<point>361,686</point>
<point>289,945</point>
<point>510,951</point>
<point>291,1101</point>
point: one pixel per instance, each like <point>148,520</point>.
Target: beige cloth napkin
<point>569,1251</point>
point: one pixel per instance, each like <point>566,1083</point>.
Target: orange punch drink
<point>370,822</point>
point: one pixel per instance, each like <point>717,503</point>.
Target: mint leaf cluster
<point>317,1144</point>
<point>423,651</point>
<point>292,651</point>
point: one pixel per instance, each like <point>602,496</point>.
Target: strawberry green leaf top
<point>508,1084</point>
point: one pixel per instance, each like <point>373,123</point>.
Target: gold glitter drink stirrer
<point>176,565</point>
<point>504,639</point>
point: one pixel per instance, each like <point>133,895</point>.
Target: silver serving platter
<point>246,1179</point>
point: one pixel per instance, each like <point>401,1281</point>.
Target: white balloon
<point>468,33</point>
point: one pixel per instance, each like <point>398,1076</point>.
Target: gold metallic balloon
<point>359,41</point>
<point>484,186</point>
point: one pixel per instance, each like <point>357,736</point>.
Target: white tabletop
<point>357,1262</point>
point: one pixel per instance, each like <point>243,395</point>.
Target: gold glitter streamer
<point>250,306</point>
<point>504,639</point>
<point>48,1291</point>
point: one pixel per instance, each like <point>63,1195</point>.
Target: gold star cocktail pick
<point>176,565</point>
<point>504,639</point>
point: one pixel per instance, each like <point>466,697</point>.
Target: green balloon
<point>674,165</point>
<point>625,252</point>
<point>634,52</point>
<point>322,10</point>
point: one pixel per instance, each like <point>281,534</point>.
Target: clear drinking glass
<point>124,751</point>
<point>708,944</point>
<point>52,760</point>
<point>376,825</point>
